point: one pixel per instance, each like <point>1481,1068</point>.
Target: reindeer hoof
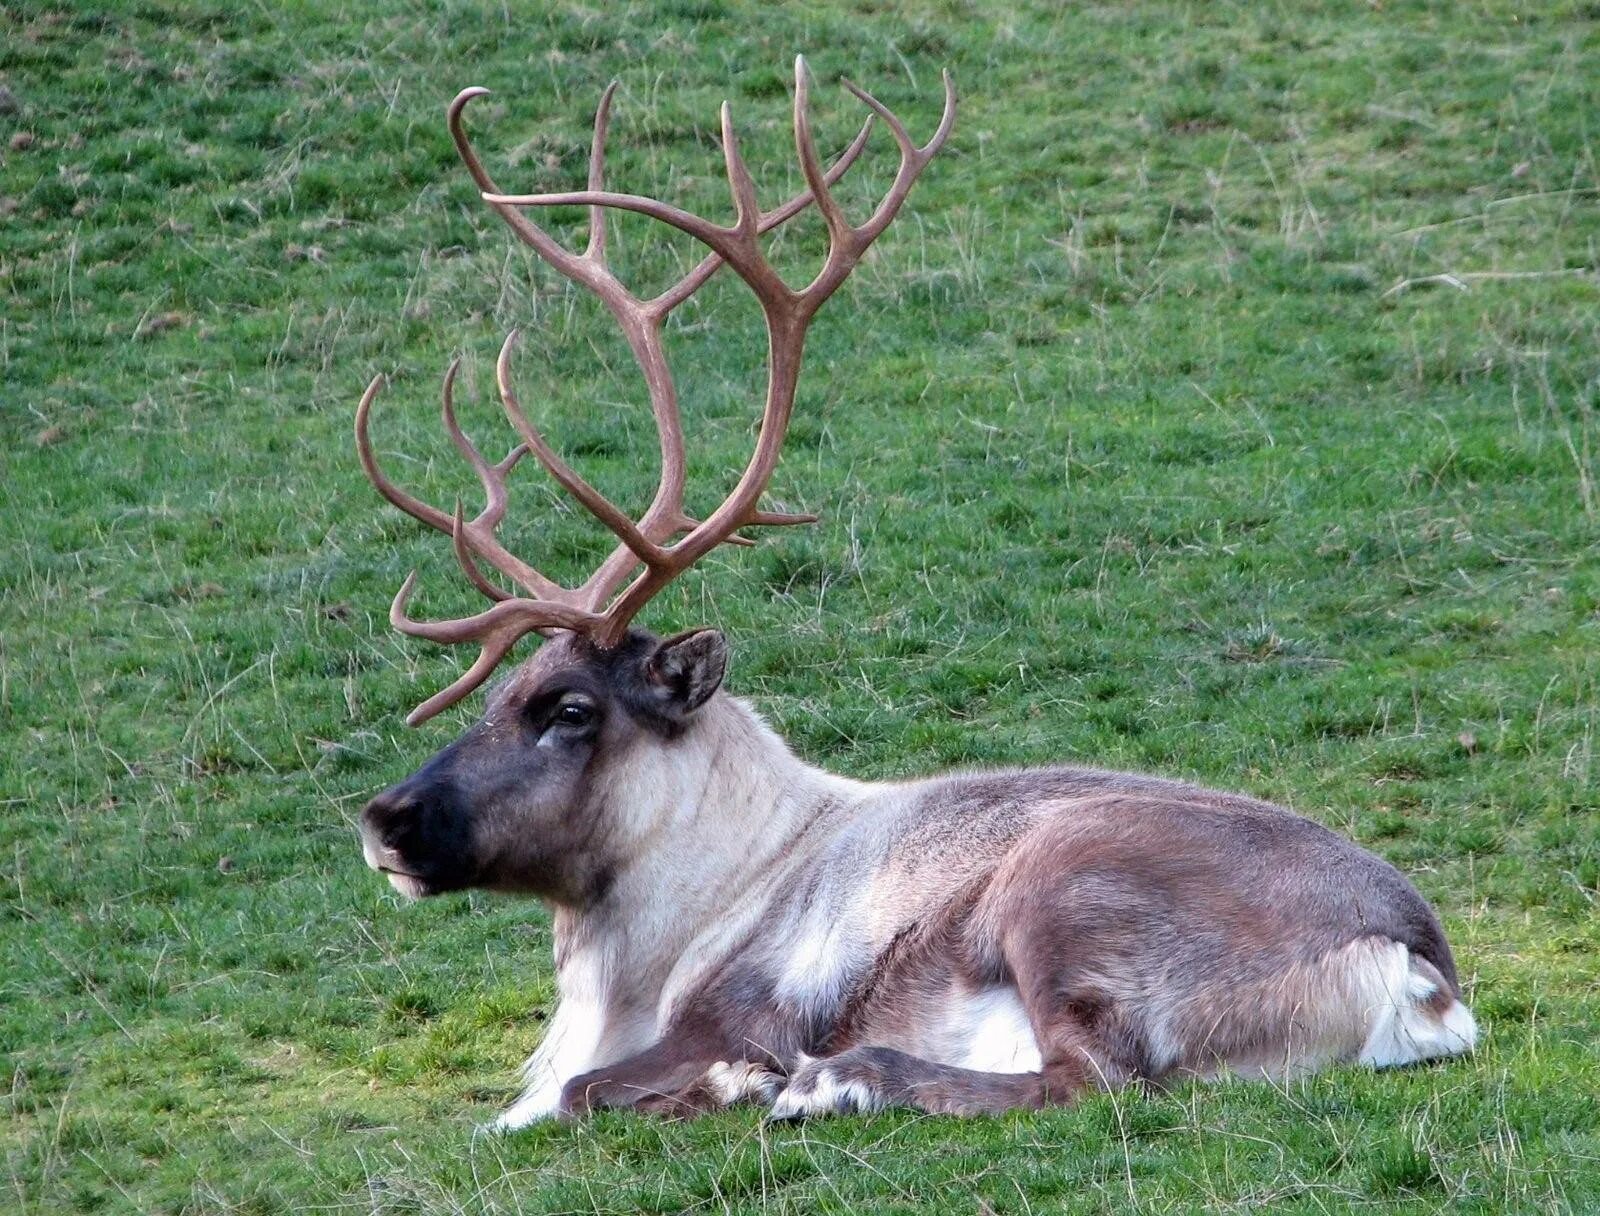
<point>822,1087</point>
<point>744,1082</point>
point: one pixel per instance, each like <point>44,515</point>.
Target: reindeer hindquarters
<point>1189,941</point>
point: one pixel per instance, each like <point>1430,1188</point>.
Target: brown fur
<point>1148,928</point>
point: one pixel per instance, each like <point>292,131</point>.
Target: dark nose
<point>419,830</point>
<point>387,819</point>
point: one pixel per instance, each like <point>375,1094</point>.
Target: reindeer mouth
<point>412,886</point>
<point>409,884</point>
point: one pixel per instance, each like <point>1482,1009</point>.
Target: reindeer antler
<point>646,558</point>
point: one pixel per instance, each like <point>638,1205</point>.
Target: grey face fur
<point>514,805</point>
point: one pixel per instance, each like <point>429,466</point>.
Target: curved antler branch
<point>540,241</point>
<point>413,507</point>
<point>912,158</point>
<point>596,503</point>
<point>724,241</point>
<point>496,631</point>
<point>479,531</point>
<point>603,607</point>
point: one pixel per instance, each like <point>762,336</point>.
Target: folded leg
<point>872,1078</point>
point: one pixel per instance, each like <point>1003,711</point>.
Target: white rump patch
<point>1403,1028</point>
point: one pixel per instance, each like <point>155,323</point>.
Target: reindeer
<point>733,924</point>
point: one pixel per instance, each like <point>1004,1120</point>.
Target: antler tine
<point>912,158</point>
<point>543,614</point>
<point>596,503</point>
<point>747,211</point>
<point>413,507</point>
<point>806,147</point>
<point>490,656</point>
<point>496,630</point>
<point>597,174</point>
<point>463,552</point>
<point>479,531</point>
<point>491,476</point>
<point>574,267</point>
<point>542,243</point>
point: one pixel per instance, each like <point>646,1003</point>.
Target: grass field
<point>1144,440</point>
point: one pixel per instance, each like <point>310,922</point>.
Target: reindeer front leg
<point>721,1085</point>
<point>671,1074</point>
<point>589,1028</point>
<point>569,1047</point>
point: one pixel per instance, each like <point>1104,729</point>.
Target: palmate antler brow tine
<point>647,556</point>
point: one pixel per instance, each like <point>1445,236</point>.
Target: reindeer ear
<point>685,670</point>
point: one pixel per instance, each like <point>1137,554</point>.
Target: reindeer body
<point>732,923</point>
<point>972,942</point>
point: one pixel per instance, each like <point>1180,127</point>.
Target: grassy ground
<point>1130,449</point>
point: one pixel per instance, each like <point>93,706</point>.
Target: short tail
<point>1413,1012</point>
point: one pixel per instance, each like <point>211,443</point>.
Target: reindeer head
<point>526,799</point>
<point>560,780</point>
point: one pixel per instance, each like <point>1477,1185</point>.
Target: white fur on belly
<point>989,1031</point>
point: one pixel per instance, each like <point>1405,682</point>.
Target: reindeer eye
<point>574,713</point>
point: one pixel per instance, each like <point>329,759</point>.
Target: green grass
<point>1126,452</point>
